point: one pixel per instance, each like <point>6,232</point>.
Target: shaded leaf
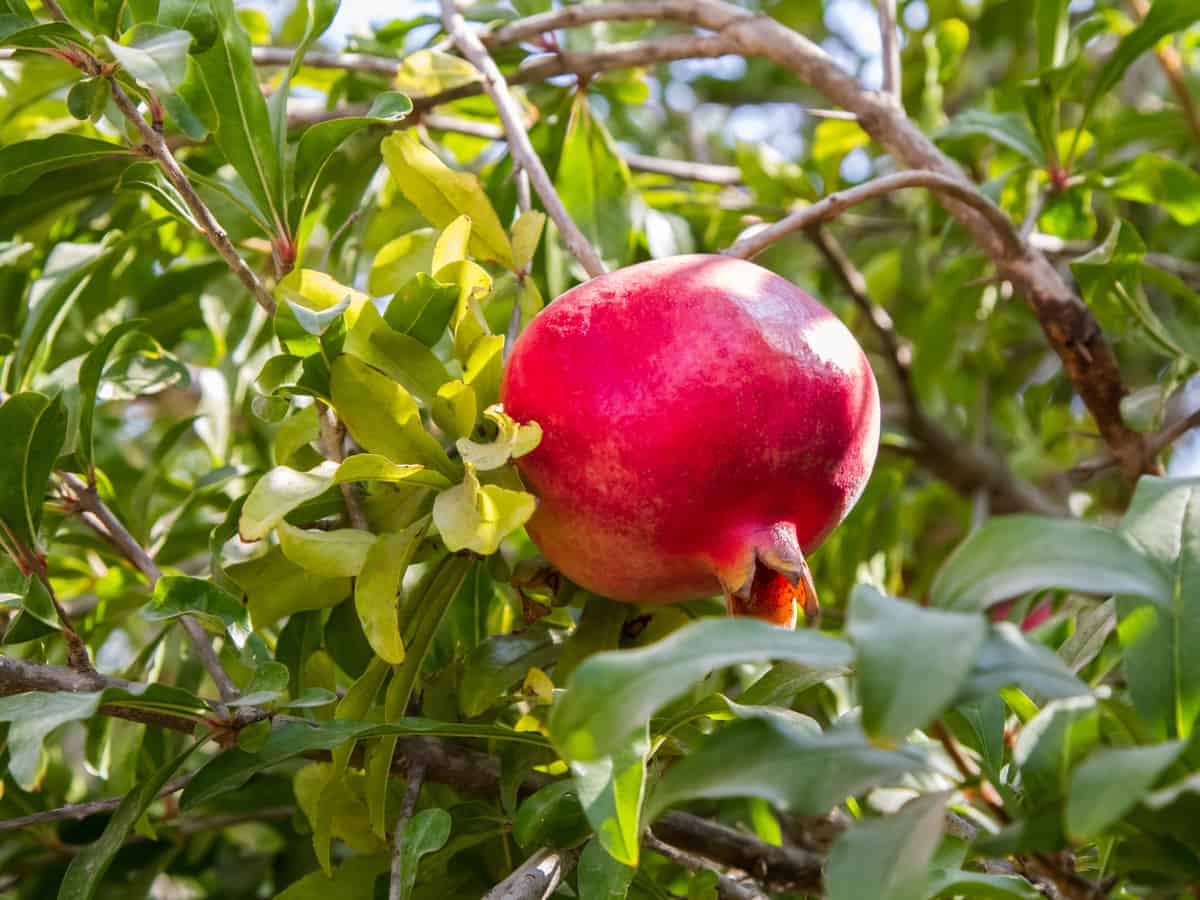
<point>611,791</point>
<point>34,429</point>
<point>1111,782</point>
<point>23,162</point>
<point>613,694</point>
<point>182,595</point>
<point>995,564</point>
<point>424,833</point>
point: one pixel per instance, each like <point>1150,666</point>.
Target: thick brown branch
<point>519,145</point>
<point>157,147</point>
<point>100,518</point>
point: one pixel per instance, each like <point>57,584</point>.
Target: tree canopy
<point>272,625</point>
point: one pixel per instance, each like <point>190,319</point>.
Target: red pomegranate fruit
<point>705,423</point>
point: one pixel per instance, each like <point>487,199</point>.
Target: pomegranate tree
<point>706,425</point>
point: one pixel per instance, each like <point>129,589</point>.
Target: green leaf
<point>1161,182</point>
<point>551,817</point>
<point>1053,32</point>
<point>1165,17</point>
<point>88,99</point>
<point>1008,659</point>
<point>153,54</point>
<point>377,590</point>
<point>319,142</point>
<point>911,661</point>
<point>148,177</point>
<point>978,886</point>
<point>1163,521</point>
<point>194,17</point>
<point>383,417</point>
<point>34,716</point>
<point>373,467</point>
<point>600,876</point>
<point>274,587</point>
<point>332,554</point>
<point>1051,744</point>
<point>277,493</point>
<point>318,16</point>
<point>23,162</point>
<point>243,127</point>
<point>491,669</point>
<point>16,32</point>
<point>182,595</point>
<point>400,260</point>
<point>512,441</point>
<point>1008,129</point>
<point>429,72</point>
<point>1092,627</point>
<point>232,769</point>
<point>477,517</point>
<point>595,185</point>
<point>599,629</point>
<point>90,373</point>
<point>354,878</point>
<point>455,408</point>
<point>424,833</point>
<point>422,308</point>
<point>1111,782</point>
<point>526,234</point>
<point>743,760</point>
<point>995,563</point>
<point>89,865</point>
<point>451,245</point>
<point>888,858</point>
<point>442,195</point>
<point>611,695</point>
<point>611,791</point>
<point>34,429</point>
<point>400,356</point>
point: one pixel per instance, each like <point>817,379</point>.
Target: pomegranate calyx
<point>777,579</point>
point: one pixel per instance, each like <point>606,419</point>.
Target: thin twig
<point>890,35</point>
<point>412,791</point>
<point>333,438</point>
<point>519,145</point>
<point>88,501</point>
<point>831,205</point>
<point>83,810</point>
<point>727,888</point>
<point>157,147</point>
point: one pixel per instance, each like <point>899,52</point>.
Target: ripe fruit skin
<point>704,420</point>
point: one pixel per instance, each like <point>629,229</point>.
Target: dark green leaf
<point>1003,128</point>
<point>551,817</point>
<point>88,867</point>
<point>491,669</point>
<point>422,309</point>
<point>1111,782</point>
<point>22,163</point>
<point>90,373</point>
<point>1008,659</point>
<point>611,695</point>
<point>743,760</point>
<point>181,595</point>
<point>424,833</point>
<point>911,661</point>
<point>34,429</point>
<point>995,563</point>
<point>600,877</point>
<point>888,858</point>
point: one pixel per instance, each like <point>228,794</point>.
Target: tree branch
<point>412,791</point>
<point>207,223</point>
<point>536,878</point>
<point>102,520</point>
<point>833,204</point>
<point>727,888</point>
<point>966,466</point>
<point>890,37</point>
<point>83,810</point>
<point>333,437</point>
<point>519,145</point>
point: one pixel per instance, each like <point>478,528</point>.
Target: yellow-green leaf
<point>428,72</point>
<point>373,467</point>
<point>403,357</point>
<point>442,194</point>
<point>383,417</point>
<point>277,493</point>
<point>399,260</point>
<point>471,516</point>
<point>512,441</point>
<point>526,232</point>
<point>375,593</point>
<point>333,554</point>
<point>454,408</point>
<point>451,245</point>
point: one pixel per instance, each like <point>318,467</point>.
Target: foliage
<point>320,485</point>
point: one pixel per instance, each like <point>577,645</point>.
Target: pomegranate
<point>705,424</point>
